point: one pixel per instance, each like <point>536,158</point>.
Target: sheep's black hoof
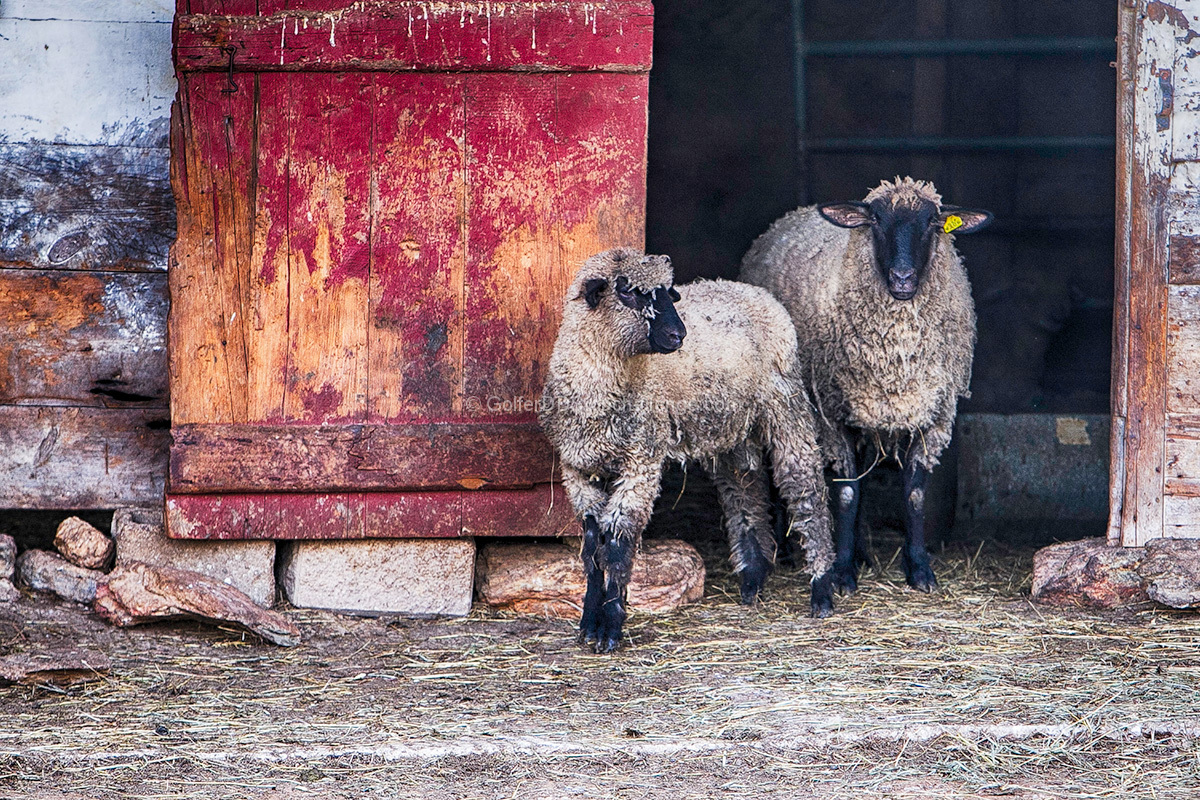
<point>920,577</point>
<point>822,596</point>
<point>754,578</point>
<point>845,577</point>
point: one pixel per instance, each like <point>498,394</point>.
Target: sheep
<point>626,392</point>
<point>886,325</point>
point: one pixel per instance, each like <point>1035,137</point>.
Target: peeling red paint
<point>1159,11</point>
<point>321,405</point>
<point>395,237</point>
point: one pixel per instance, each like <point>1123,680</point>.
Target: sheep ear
<point>592,291</point>
<point>847,215</point>
<point>964,220</point>
<point>674,295</point>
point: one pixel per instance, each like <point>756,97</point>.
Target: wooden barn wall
<point>86,218</point>
<point>1156,389</point>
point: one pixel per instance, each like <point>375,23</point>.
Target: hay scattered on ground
<point>974,692</point>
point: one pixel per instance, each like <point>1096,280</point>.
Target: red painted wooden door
<point>380,208</point>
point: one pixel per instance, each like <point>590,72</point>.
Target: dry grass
<point>973,692</point>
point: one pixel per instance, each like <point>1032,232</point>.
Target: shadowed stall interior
<point>1009,106</point>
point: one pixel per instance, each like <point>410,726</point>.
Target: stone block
<point>546,578</point>
<point>1090,572</point>
<point>1171,570</point>
<point>83,544</point>
<point>50,572</point>
<point>413,577</point>
<point>247,566</point>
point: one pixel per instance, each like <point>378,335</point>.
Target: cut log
<point>1088,572</point>
<point>49,572</point>
<point>1171,571</point>
<point>546,579</point>
<point>137,593</point>
<point>83,544</point>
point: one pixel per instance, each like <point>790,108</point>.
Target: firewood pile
<point>133,592</point>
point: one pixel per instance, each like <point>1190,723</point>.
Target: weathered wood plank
<point>1184,261</point>
<point>1181,517</point>
<point>604,36</point>
<point>415,338</point>
<point>91,10</point>
<point>69,207</point>
<point>1183,455</point>
<point>329,240</point>
<point>87,82</point>
<point>555,166</point>
<point>83,339</point>
<point>1183,349</point>
<point>81,457</point>
<point>1126,65</point>
<point>1146,383</point>
<point>540,511</point>
<point>207,361</point>
<point>264,458</point>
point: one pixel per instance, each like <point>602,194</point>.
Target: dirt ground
<point>972,692</point>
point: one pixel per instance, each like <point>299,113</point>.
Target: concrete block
<point>1033,466</point>
<point>246,566</point>
<point>415,577</point>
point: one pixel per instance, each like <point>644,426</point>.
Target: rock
<point>248,566</point>
<point>1088,572</point>
<point>49,572</point>
<point>8,592</point>
<point>1171,572</point>
<point>83,544</point>
<point>415,577</point>
<point>546,578</point>
<point>60,669</point>
<point>136,593</point>
<point>8,556</point>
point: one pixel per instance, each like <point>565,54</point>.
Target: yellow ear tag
<point>952,222</point>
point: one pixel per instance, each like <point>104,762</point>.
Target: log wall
<point>86,219</point>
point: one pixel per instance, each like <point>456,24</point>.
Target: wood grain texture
<point>264,458</point>
<point>361,248</point>
<point>81,457</point>
<point>1181,517</point>
<point>1184,263</point>
<point>1183,349</point>
<point>604,36</point>
<point>84,208</point>
<point>370,515</point>
<point>1126,65</point>
<point>83,339</point>
<point>1183,456</point>
<point>1154,44</point>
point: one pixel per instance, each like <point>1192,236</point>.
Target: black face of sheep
<point>665,331</point>
<point>905,236</point>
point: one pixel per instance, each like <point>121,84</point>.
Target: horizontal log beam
<point>492,37</point>
<point>540,511</point>
<point>81,457</point>
<point>332,458</point>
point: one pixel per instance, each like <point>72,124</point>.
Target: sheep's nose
<point>673,339</point>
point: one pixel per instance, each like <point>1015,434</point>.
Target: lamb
<point>886,326</point>
<point>626,393</point>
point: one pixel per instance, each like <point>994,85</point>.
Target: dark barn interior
<point>1007,106</point>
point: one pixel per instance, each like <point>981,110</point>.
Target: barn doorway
<point>1009,106</point>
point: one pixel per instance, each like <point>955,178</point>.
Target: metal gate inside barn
<point>380,208</point>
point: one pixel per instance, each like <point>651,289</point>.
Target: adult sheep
<point>886,326</point>
<point>636,381</point>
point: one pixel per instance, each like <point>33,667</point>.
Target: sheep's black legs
<point>822,595</point>
<point>607,563</point>
<point>593,599</point>
<point>846,496</point>
<point>744,496</point>
<point>917,570</point>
